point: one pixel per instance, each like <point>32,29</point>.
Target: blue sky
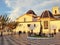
<point>3,7</point>
<point>16,8</point>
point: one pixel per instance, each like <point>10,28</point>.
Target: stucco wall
<point>55,24</point>
<point>26,16</point>
<point>22,26</point>
<point>42,22</point>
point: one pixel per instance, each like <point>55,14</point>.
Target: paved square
<point>23,40</point>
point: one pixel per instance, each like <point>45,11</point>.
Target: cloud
<point>43,4</point>
<point>17,7</point>
<point>49,2</point>
<point>8,3</point>
<point>46,5</point>
<point>18,3</point>
<point>14,14</point>
<point>21,6</point>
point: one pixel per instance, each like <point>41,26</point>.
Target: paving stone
<point>22,40</point>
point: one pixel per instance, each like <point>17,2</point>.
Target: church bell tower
<point>55,10</point>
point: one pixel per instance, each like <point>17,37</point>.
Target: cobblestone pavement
<point>22,40</point>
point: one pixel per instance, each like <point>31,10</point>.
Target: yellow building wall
<point>27,18</point>
<point>51,25</point>
<point>42,22</point>
<point>56,25</point>
<point>55,8</point>
<point>23,27</point>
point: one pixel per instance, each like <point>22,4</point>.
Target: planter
<point>39,37</point>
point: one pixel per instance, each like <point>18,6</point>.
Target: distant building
<point>30,21</point>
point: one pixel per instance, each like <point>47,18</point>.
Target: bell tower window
<point>55,11</point>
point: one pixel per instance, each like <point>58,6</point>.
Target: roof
<point>30,12</point>
<point>56,14</point>
<point>47,14</point>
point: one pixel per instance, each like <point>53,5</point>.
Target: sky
<point>16,8</point>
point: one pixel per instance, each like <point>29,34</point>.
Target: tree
<point>12,25</point>
<point>40,33</point>
<point>3,22</point>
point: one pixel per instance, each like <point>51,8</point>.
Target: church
<point>49,21</point>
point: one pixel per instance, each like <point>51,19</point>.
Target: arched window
<point>34,25</point>
<point>59,30</point>
<point>45,24</point>
<point>55,11</point>
<point>28,25</point>
<point>24,19</point>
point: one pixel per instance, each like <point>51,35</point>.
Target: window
<point>28,25</point>
<point>34,25</point>
<point>45,24</point>
<point>55,11</point>
<point>59,30</point>
<point>24,19</point>
<point>34,19</point>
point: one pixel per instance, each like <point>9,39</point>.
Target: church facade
<point>49,21</point>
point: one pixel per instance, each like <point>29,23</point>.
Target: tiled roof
<point>47,14</point>
<point>30,12</point>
